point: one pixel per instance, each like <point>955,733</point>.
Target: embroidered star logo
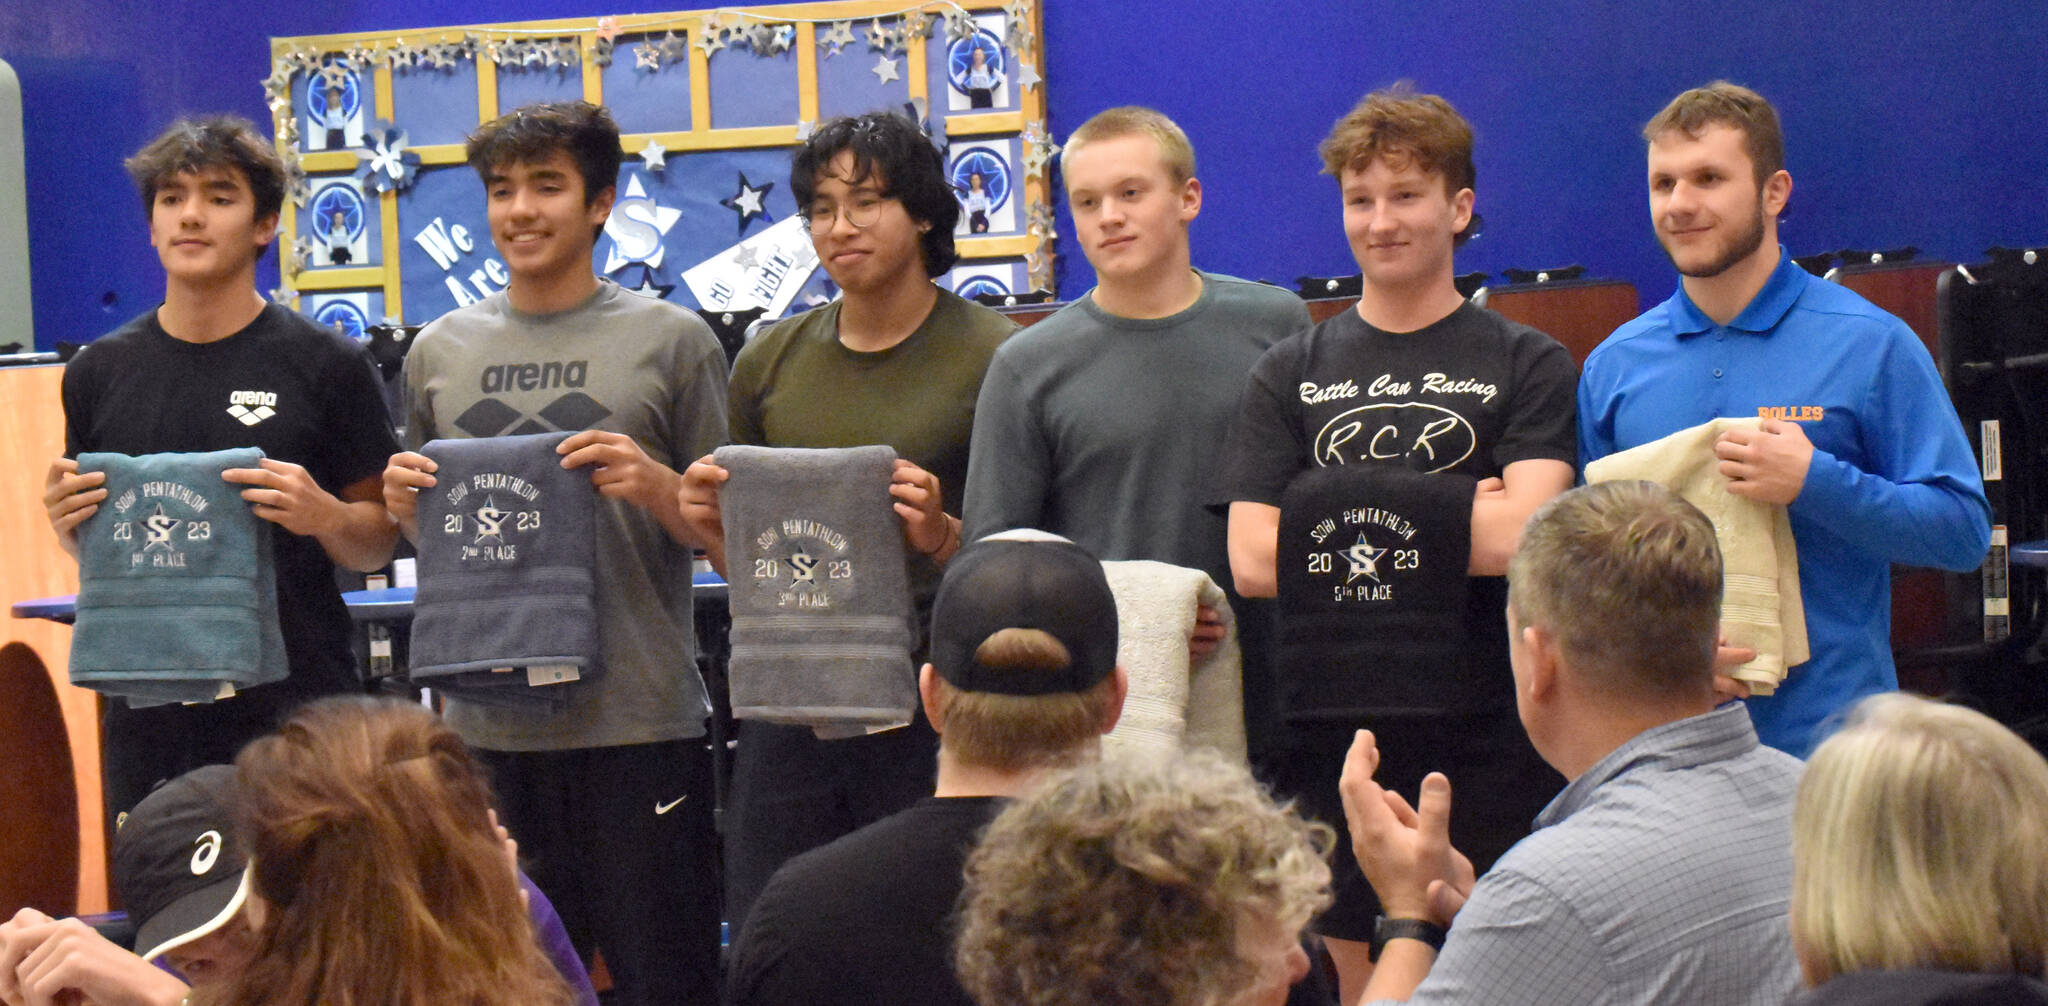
<point>1364,560</point>
<point>490,521</point>
<point>805,566</point>
<point>158,527</point>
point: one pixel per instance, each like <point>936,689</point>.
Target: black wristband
<point>1386,929</point>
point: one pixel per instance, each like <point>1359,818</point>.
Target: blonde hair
<point>1127,882</point>
<point>1627,576</point>
<point>1920,840</point>
<point>384,884</point>
<point>1136,120</point>
<point>1016,733</point>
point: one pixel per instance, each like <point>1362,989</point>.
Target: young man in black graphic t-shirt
<point>213,367</point>
<point>1419,378</point>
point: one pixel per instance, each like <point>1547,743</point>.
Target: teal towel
<point>177,588</point>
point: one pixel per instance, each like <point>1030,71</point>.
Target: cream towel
<point>1760,606</point>
<point>1171,704</point>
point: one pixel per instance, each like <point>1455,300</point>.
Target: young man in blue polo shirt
<point>1858,438</point>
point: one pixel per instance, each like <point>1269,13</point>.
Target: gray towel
<point>819,591</point>
<point>177,598</point>
<point>506,544</point>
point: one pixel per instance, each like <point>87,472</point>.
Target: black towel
<point>506,542</point>
<point>1373,594</point>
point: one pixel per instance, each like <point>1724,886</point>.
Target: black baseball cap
<point>177,865</point>
<point>1024,579</point>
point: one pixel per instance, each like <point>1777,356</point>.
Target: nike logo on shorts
<point>663,808</point>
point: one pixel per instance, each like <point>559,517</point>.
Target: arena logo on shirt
<point>252,407</point>
<point>802,564</point>
<point>1427,438</point>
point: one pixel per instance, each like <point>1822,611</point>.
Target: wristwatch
<point>1385,929</point>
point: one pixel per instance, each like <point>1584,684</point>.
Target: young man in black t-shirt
<point>1418,378</point>
<point>216,366</point>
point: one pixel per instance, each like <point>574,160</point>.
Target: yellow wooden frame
<point>803,16</point>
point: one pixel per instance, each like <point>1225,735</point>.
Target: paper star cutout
<point>1038,151</point>
<point>885,69</point>
<point>758,38</point>
<point>674,47</point>
<point>538,52</point>
<point>838,38</point>
<point>608,28</point>
<point>444,56</point>
<point>1019,14</point>
<point>647,56</point>
<point>386,165</point>
<point>959,26</point>
<point>280,79</point>
<point>880,36</point>
<point>628,225</point>
<point>1027,76</point>
<point>402,56</point>
<point>746,257</point>
<point>1363,560</point>
<point>654,155</point>
<point>710,39</point>
<point>334,74</point>
<point>805,129</point>
<point>648,288</point>
<point>749,202</point>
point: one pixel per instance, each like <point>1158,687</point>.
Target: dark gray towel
<point>1372,604</point>
<point>177,592</point>
<point>506,543</point>
<point>819,591</point>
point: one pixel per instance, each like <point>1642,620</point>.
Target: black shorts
<point>621,840</point>
<point>1498,786</point>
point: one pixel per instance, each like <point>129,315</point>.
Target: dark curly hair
<point>215,141</point>
<point>530,133</point>
<point>893,147</point>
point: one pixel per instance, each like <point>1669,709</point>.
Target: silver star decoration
<point>880,36</point>
<point>567,51</point>
<point>281,106</point>
<point>1038,151</point>
<point>1018,13</point>
<point>1041,220</point>
<point>601,52</point>
<point>746,258</point>
<point>280,79</point>
<point>917,26</point>
<point>1037,264</point>
<point>302,252</point>
<point>444,56</point>
<point>1027,76</point>
<point>885,69</point>
<point>495,52</point>
<point>839,37</point>
<point>959,25</point>
<point>783,38</point>
<point>710,41</point>
<point>334,74</point>
<point>282,295</point>
<point>402,56</point>
<point>674,47</point>
<point>647,56</point>
<point>362,55</point>
<point>288,131</point>
<point>654,155</point>
<point>805,128</point>
<point>759,38</point>
<point>306,58</point>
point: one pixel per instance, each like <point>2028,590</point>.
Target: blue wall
<point>1907,123</point>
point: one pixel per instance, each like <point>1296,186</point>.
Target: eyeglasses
<point>861,212</point>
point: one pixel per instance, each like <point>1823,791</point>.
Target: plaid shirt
<point>1660,875</point>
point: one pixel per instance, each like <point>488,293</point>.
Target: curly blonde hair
<point>1920,840</point>
<point>1127,882</point>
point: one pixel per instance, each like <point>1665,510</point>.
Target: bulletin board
<point>385,223</point>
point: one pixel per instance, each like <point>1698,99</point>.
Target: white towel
<point>1760,605</point>
<point>1172,704</point>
